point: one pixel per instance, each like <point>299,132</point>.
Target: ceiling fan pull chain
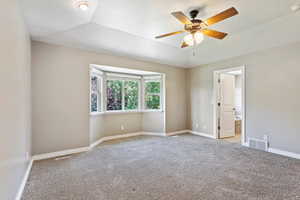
<point>194,52</point>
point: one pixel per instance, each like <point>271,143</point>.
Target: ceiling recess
<point>82,4</point>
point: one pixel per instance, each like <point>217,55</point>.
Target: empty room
<point>150,100</point>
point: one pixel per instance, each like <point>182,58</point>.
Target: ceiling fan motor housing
<point>194,13</point>
<point>195,26</point>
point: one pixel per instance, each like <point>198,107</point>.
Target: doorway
<point>229,105</point>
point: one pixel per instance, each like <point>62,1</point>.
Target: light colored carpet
<point>235,139</point>
<point>166,168</point>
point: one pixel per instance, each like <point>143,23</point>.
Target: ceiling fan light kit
<point>193,38</point>
<point>198,28</point>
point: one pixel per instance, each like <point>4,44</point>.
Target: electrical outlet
<point>122,127</point>
<point>197,125</point>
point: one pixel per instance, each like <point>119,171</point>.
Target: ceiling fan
<point>197,28</point>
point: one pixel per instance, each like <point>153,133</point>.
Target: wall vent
<point>258,144</point>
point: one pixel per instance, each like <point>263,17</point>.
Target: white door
<point>226,106</point>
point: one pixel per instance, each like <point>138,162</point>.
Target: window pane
<point>100,95</point>
<point>94,96</point>
<point>152,87</point>
<point>114,95</point>
<point>152,95</point>
<point>94,83</point>
<point>131,89</point>
<point>152,102</point>
<point>94,99</point>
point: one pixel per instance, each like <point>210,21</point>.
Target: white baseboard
<point>127,135</point>
<point>96,143</point>
<point>107,138</point>
<point>202,134</point>
<point>24,181</point>
<point>59,153</point>
<point>245,144</point>
<point>154,134</point>
<point>178,132</point>
<point>284,153</point>
<point>84,149</point>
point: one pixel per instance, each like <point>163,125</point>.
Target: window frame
<point>159,80</point>
<point>99,92</point>
<point>123,79</point>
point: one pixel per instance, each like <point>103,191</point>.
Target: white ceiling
<point>128,27</point>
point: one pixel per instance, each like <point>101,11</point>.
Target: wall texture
<point>157,122</point>
<point>15,109</point>
<point>272,97</point>
<point>110,124</point>
<point>60,77</point>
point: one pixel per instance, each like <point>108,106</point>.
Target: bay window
<point>124,93</point>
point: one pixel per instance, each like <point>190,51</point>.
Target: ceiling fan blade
<point>221,16</point>
<point>214,34</point>
<point>169,34</point>
<point>181,17</point>
<point>184,44</point>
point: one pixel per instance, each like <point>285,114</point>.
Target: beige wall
<point>15,124</point>
<point>61,97</point>
<point>272,95</point>
<point>157,120</point>
<point>110,124</point>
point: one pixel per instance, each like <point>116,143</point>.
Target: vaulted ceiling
<point>128,27</point>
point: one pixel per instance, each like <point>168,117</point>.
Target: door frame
<point>216,74</point>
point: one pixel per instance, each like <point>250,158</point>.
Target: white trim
<point>121,136</point>
<point>284,153</point>
<point>96,143</point>
<point>120,76</point>
<point>123,70</point>
<point>60,153</point>
<point>24,181</point>
<point>203,134</point>
<point>154,134</point>
<point>245,144</point>
<point>215,101</point>
<point>152,77</point>
<point>178,132</point>
<point>96,113</point>
<point>123,112</point>
<point>107,138</point>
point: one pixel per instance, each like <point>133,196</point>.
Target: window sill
<point>123,112</point>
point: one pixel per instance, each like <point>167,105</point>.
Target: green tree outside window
<point>114,95</point>
<point>152,95</point>
<point>131,90</point>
